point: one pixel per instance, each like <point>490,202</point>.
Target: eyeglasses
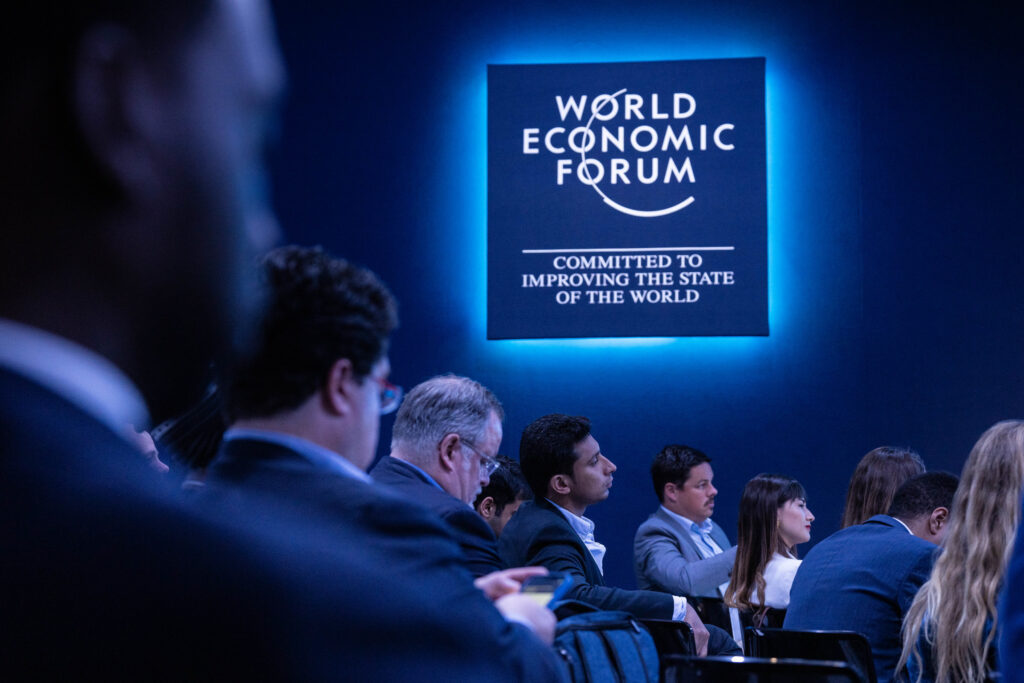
<point>390,395</point>
<point>488,465</point>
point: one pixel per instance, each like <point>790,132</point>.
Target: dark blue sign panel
<point>627,199</point>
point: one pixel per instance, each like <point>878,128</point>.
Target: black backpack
<point>607,647</point>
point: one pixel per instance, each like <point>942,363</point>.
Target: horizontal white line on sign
<point>607,251</point>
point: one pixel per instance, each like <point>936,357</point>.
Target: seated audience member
<point>679,549</point>
<point>878,475</point>
<point>950,629</point>
<point>864,577</point>
<point>503,494</point>
<point>774,519</point>
<point>564,466</point>
<point>125,233</point>
<point>304,422</point>
<point>443,444</point>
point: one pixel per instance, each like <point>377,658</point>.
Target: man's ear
<point>560,484</point>
<point>117,106</point>
<point>937,520</point>
<point>669,492</point>
<point>486,508</point>
<point>446,452</point>
<point>339,388</point>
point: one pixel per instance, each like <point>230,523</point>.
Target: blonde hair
<point>956,608</point>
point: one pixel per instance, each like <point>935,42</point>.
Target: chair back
<point>711,611</point>
<point>690,669</point>
<point>671,639</point>
<point>842,646</point>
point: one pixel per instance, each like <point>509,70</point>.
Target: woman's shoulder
<point>781,566</point>
<point>782,563</point>
<point>778,577</point>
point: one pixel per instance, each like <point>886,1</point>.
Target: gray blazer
<point>666,558</point>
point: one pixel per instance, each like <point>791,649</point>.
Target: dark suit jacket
<point>105,575</point>
<point>538,534</point>
<point>862,578</point>
<point>474,536</point>
<point>429,619</point>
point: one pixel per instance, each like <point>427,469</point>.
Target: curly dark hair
<point>507,485</point>
<point>547,448</point>
<point>319,309</point>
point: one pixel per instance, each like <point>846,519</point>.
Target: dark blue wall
<point>894,228</point>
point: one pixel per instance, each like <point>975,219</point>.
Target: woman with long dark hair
<point>875,480</point>
<point>774,519</point>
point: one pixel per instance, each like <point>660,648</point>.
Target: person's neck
<point>298,423</point>
<point>566,503</point>
<point>919,527</point>
<point>424,464</point>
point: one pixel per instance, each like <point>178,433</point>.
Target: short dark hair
<point>320,309</point>
<point>547,448</point>
<point>507,485</point>
<point>920,495</point>
<point>673,464</point>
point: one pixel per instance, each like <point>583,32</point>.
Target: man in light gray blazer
<point>679,549</point>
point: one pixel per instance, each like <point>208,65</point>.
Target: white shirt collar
<point>688,523</point>
<point>904,525</point>
<point>584,528</point>
<point>319,456</point>
<point>81,376</point>
<point>581,525</point>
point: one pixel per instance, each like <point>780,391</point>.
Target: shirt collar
<point>903,524</point>
<point>83,377</point>
<point>581,525</point>
<point>319,456</point>
<point>688,523</point>
<point>429,478</point>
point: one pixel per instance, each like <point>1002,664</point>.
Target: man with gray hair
<point>443,447</point>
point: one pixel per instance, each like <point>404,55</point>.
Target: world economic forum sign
<point>627,199</point>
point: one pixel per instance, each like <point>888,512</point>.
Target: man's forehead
<point>701,472</point>
<point>587,448</point>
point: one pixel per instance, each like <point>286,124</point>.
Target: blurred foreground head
<point>132,188</point>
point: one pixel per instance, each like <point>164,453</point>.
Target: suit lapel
<point>682,534</point>
<point>593,572</point>
<point>719,537</point>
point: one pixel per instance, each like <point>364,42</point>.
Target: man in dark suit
<point>443,448</point>
<point>564,466</point>
<point>132,136</point>
<point>304,422</point>
<point>864,577</point>
<point>679,548</point>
